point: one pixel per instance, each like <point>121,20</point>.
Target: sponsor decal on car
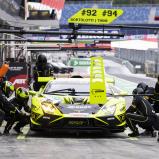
<point>79,115</point>
<point>79,106</point>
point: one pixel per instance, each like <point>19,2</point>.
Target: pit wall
<point>140,61</point>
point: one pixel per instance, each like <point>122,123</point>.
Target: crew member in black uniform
<point>2,113</point>
<point>6,107</point>
<point>2,96</point>
<point>156,96</point>
<point>20,103</point>
<point>41,69</point>
<point>140,112</point>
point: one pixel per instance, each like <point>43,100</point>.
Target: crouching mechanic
<point>139,113</point>
<point>6,107</point>
<point>20,104</point>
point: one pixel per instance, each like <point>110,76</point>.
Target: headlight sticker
<point>53,99</point>
<point>47,107</point>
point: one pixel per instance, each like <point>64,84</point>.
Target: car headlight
<point>109,110</point>
<point>47,108</point>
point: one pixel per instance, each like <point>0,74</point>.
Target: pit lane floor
<point>33,145</point>
<point>72,146</point>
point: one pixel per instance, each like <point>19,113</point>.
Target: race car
<point>64,105</point>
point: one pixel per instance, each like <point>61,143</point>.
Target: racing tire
<point>32,127</point>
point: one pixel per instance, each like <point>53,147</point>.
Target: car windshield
<point>77,86</point>
<point>82,70</point>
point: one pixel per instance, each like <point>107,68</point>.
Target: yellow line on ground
<point>127,131</point>
<point>133,138</point>
<point>25,131</point>
<point>21,137</point>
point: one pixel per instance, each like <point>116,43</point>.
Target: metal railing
<point>147,59</point>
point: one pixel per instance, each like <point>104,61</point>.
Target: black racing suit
<point>141,113</point>
<point>156,98</point>
<point>22,118</point>
<point>41,71</point>
<point>2,113</point>
<point>6,108</point>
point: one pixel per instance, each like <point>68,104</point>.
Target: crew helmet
<point>22,93</point>
<point>7,88</point>
<point>138,91</point>
<point>42,59</point>
<point>142,85</point>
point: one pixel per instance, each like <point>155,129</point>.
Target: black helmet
<point>142,85</point>
<point>7,88</point>
<point>138,91</point>
<point>42,59</point>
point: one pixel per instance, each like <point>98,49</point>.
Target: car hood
<point>77,105</point>
<point>78,99</point>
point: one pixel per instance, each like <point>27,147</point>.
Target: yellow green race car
<point>64,105</point>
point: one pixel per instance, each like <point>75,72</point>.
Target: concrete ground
<point>34,145</point>
<point>77,146</point>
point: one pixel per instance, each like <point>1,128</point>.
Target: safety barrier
<point>147,59</point>
<point>151,68</point>
<point>121,61</point>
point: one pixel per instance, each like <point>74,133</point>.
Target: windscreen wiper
<point>70,91</point>
<point>67,90</point>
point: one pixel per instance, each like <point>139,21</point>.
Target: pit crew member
<point>21,116</point>
<point>140,112</point>
<point>6,107</point>
<point>41,69</point>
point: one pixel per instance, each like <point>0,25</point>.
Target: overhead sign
<point>95,16</point>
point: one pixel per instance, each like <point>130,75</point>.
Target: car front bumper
<point>78,124</point>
